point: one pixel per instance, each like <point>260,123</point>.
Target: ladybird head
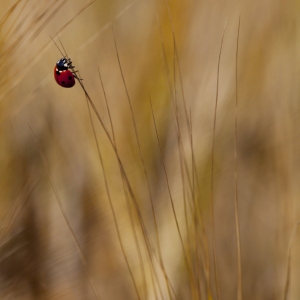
<point>62,64</point>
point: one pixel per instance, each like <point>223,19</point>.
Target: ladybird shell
<point>64,78</point>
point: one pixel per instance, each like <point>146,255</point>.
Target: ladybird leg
<point>75,75</point>
<point>78,77</point>
<point>70,63</point>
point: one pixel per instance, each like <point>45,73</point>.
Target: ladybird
<point>63,76</point>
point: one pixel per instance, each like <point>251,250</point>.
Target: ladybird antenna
<point>57,46</point>
<point>62,47</point>
<point>68,59</point>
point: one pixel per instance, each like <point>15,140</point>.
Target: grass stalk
<point>215,263</point>
<point>59,202</point>
<point>236,199</point>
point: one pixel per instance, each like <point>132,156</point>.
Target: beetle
<point>62,74</point>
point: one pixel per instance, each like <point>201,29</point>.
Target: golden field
<point>172,173</point>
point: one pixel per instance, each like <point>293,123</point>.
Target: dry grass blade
<point>9,12</point>
<point>212,171</point>
<point>111,203</point>
<point>78,13</point>
<point>182,160</point>
<point>149,246</point>
<point>132,224</point>
<point>108,110</point>
<point>144,168</point>
<point>177,60</point>
<point>16,19</point>
<point>198,218</point>
<point>182,156</point>
<point>83,260</point>
<point>194,169</point>
<point>3,257</point>
<point>236,207</point>
<point>168,184</point>
<point>22,28</point>
<point>12,215</point>
<point>288,264</point>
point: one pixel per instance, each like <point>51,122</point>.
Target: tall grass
<point>170,171</point>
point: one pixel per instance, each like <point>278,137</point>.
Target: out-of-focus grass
<point>162,206</point>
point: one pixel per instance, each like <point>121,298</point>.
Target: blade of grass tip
<point>184,168</point>
<point>182,152</point>
<point>288,264</point>
<point>175,106</point>
<point>57,196</point>
<point>111,204</point>
<point>141,155</point>
<point>212,170</point>
<point>182,158</point>
<point>164,55</point>
<point>180,78</point>
<point>177,59</point>
<point>236,200</point>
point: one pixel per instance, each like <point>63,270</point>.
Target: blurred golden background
<point>156,205</point>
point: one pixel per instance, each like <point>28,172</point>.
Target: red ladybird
<point>63,76</point>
